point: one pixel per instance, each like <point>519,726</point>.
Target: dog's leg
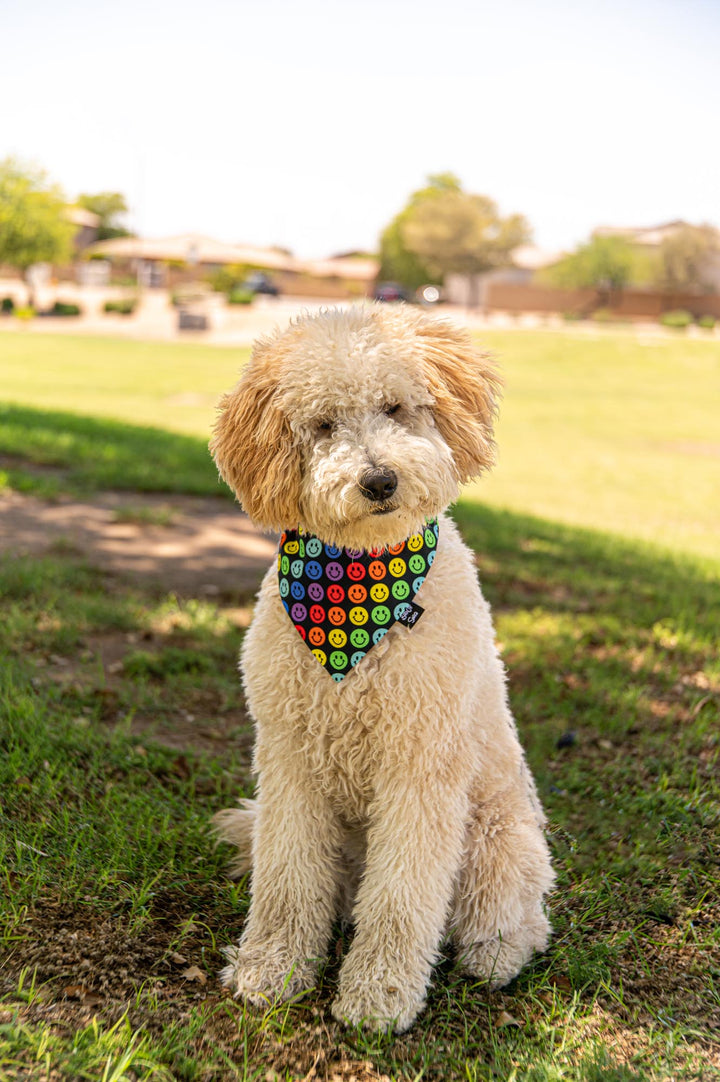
<point>414,848</point>
<point>498,917</point>
<point>296,842</point>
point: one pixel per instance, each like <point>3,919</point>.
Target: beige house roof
<point>196,248</point>
<point>81,217</point>
<point>651,235</point>
<point>192,248</point>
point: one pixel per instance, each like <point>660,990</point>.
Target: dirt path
<point>192,546</point>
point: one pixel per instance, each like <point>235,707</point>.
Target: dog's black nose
<point>378,484</point>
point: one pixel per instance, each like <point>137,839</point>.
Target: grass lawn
<point>123,728</point>
<point>606,431</point>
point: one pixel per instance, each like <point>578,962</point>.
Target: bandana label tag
<point>410,614</point>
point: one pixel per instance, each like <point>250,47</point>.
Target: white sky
<point>307,123</point>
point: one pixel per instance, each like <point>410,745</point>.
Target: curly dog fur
<point>399,797</point>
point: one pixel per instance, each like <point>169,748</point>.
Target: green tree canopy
<point>33,226</point>
<point>397,262</point>
<point>108,206</point>
<point>685,257</point>
<point>460,233</point>
<point>604,264</point>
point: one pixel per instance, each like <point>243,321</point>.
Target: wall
<point>632,304</point>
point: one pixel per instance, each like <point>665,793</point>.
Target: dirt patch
<point>192,546</point>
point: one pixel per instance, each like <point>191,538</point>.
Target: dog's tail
<point>236,827</point>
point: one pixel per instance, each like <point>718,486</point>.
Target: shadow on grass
<point>91,453</point>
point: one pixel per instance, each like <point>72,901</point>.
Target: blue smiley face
<point>399,610</point>
<point>357,657</point>
<point>417,583</point>
<point>313,569</point>
<point>379,634</point>
<point>314,547</point>
<point>331,551</point>
<point>337,676</point>
<point>431,557</point>
<point>297,591</point>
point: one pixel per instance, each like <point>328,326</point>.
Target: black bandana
<point>343,601</point>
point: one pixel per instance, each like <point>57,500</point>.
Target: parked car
<point>260,283</point>
<point>390,291</point>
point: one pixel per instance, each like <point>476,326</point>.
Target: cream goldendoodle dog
<point>391,783</point>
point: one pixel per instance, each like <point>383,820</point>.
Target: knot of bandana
<point>343,601</point>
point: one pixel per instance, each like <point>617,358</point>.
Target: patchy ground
<point>190,545</point>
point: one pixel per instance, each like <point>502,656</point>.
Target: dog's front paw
<point>377,1005</point>
<point>262,975</point>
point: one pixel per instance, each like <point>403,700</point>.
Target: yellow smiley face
<point>379,593</point>
<point>358,615</point>
<point>337,638</point>
<point>415,543</point>
<point>291,548</point>
<point>397,567</point>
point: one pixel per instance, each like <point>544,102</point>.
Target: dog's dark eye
<point>390,411</point>
<point>324,426</point>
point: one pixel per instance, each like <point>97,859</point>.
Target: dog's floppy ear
<point>254,447</point>
<point>465,387</point>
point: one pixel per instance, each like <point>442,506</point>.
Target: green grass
<point>112,891</point>
<point>122,729</point>
<point>607,430</point>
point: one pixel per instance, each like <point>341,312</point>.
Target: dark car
<point>390,291</point>
<point>260,283</point>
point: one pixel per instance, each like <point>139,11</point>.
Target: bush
<point>25,314</point>
<point>227,279</point>
<point>60,308</point>
<point>7,305</point>
<point>240,296</point>
<point>123,308</point>
<point>707,322</point>
<point>679,318</point>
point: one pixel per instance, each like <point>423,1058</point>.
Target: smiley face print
<point>344,601</point>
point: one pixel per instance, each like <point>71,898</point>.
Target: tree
<point>33,226</point>
<point>459,233</point>
<point>604,264</point>
<point>108,206</point>
<point>397,262</point>
<point>685,258</point>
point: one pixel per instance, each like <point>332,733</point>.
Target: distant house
<point>165,260</point>
<point>650,237</point>
<point>472,290</point>
<point>86,224</point>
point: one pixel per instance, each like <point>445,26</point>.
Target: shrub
<point>25,313</point>
<point>240,296</point>
<point>679,318</point>
<point>7,304</point>
<point>707,322</point>
<point>61,308</point>
<point>227,279</point>
<point>123,308</point>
